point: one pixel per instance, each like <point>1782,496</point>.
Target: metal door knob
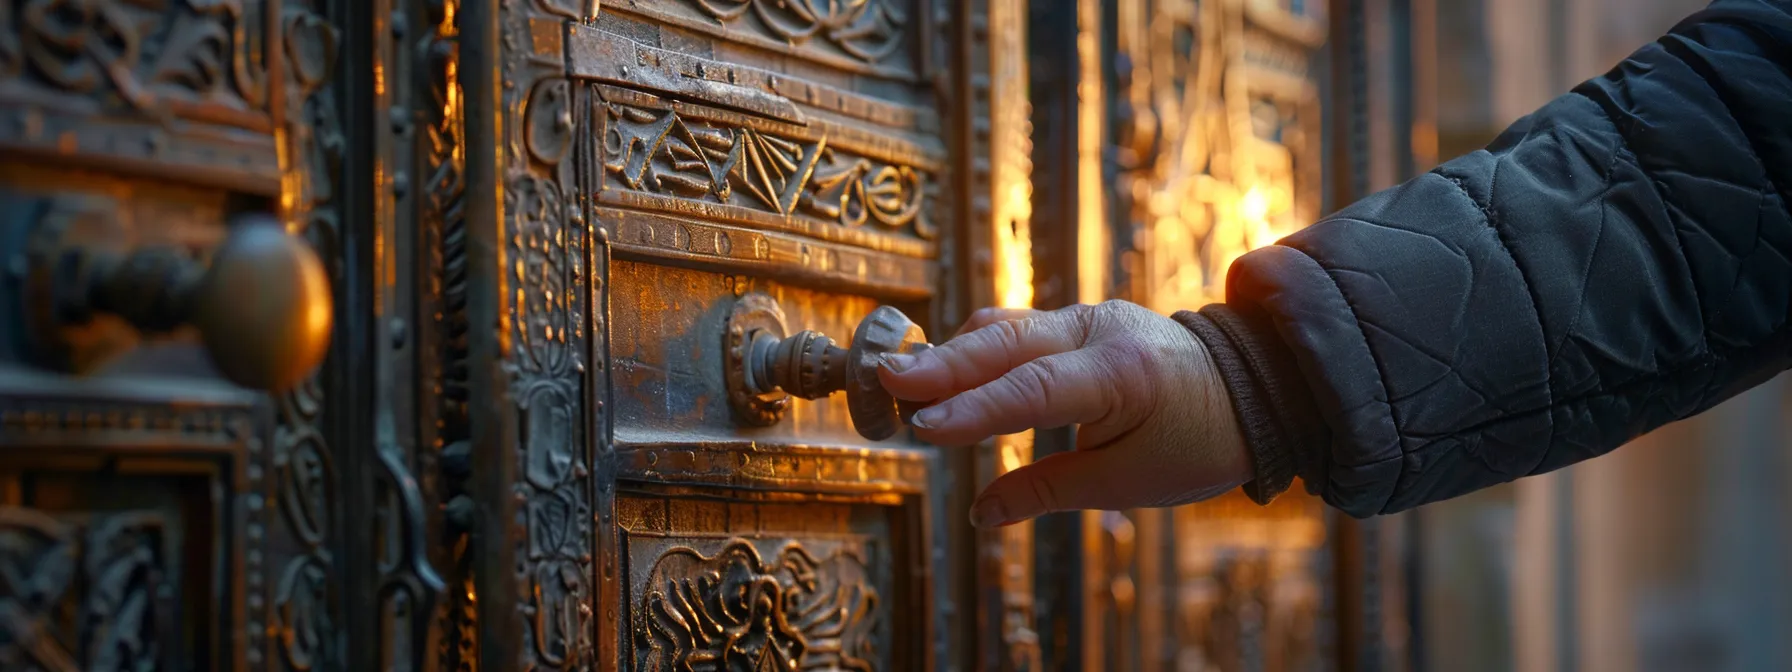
<point>261,305</point>
<point>765,367</point>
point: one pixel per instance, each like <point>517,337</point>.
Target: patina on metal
<point>538,356</point>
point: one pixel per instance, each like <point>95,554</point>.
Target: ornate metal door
<point>697,224</point>
<point>534,334</point>
<point>169,224</point>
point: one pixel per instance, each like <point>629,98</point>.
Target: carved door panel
<point>170,254</point>
<point>205,462</point>
<point>711,219</point>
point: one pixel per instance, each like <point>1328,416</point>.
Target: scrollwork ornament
<point>303,621</point>
<point>154,55</point>
<point>82,591</point>
<point>867,30</point>
<point>124,566</point>
<point>303,614</point>
<point>737,612</point>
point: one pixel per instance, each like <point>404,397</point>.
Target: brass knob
<point>261,306</point>
<point>766,368</point>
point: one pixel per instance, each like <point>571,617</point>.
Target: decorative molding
<point>85,592</point>
<point>302,611</point>
<point>546,289</point>
<point>682,241</point>
<point>47,418</point>
<point>726,171</point>
<point>869,37</point>
<point>103,79</point>
<point>748,465</point>
<point>734,610</point>
<point>596,54</point>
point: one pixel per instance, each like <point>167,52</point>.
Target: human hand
<point>1156,425</point>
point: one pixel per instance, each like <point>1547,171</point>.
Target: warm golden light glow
<point>1014,284</point>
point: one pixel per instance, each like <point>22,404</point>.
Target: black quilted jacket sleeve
<point>1618,260</point>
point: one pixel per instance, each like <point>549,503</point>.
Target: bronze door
<point>572,267</point>
<point>692,214</point>
<point>173,462</point>
<point>532,334</point>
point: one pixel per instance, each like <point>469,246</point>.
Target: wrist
<point>1266,399</point>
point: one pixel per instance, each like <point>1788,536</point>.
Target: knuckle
<point>986,314</point>
<point>1082,319</point>
<point>1008,334</point>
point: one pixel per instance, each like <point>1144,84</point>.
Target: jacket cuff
<point>1281,425</point>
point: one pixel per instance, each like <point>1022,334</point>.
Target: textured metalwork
<point>83,595</point>
<point>735,610</point>
<point>747,170</point>
<point>469,481</point>
<point>97,82</point>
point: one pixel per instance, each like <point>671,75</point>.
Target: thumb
<point>1075,480</point>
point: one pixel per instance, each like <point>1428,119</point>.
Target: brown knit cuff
<point>1281,425</point>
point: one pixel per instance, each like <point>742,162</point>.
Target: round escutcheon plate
<point>753,315</point>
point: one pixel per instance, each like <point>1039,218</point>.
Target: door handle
<point>261,305</point>
<point>765,367</point>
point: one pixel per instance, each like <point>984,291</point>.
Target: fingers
<point>1052,391</point>
<point>1076,480</point>
<point>983,355</point>
<point>988,316</point>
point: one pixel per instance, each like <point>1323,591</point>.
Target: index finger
<point>983,355</point>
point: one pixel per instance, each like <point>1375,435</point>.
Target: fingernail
<point>898,362</point>
<point>928,418</point>
<point>989,512</point>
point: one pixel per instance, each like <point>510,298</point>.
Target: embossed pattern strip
<point>732,248</point>
<point>663,159</point>
<point>867,36</point>
<point>104,78</point>
<point>787,467</point>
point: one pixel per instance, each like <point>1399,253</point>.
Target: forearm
<point>1619,260</point>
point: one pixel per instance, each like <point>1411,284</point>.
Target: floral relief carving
<point>867,30</point>
<point>155,56</point>
<point>737,611</point>
<point>81,592</point>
